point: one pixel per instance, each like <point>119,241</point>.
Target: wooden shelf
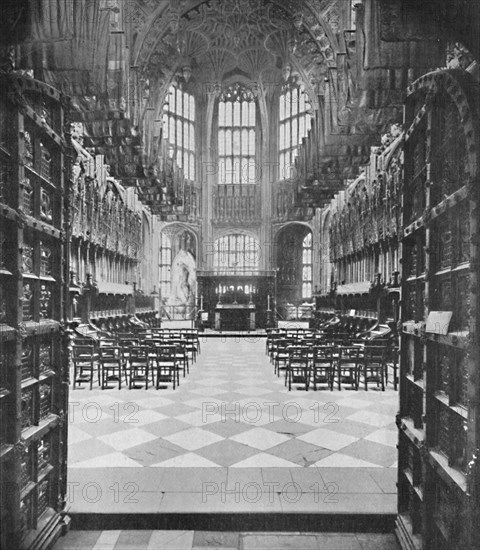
<point>416,436</point>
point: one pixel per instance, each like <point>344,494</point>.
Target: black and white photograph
<point>239,274</point>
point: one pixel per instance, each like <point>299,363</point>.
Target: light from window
<point>307,267</point>
<point>295,121</point>
<point>165,265</point>
<point>236,136</point>
<point>236,253</point>
<point>179,128</point>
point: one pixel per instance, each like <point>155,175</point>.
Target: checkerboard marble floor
<point>232,428</point>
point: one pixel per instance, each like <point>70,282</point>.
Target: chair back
<point>349,354</point>
<point>138,352</point>
<point>111,353</point>
<point>298,351</point>
<point>323,353</point>
<point>374,354</point>
<point>166,351</point>
<point>83,352</point>
<point>107,342</point>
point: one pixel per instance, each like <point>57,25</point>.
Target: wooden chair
<point>166,366</point>
<point>192,344</point>
<point>126,344</point>
<point>281,354</point>
<point>374,366</point>
<point>298,368</point>
<point>181,355</point>
<point>271,342</point>
<point>139,366</point>
<point>348,366</point>
<point>84,365</point>
<point>112,365</point>
<point>323,367</point>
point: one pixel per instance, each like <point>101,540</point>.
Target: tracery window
<point>295,121</point>
<point>179,128</point>
<point>307,266</point>
<point>236,136</point>
<point>236,252</point>
<point>165,265</point>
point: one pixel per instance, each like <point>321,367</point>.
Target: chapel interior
<point>239,260</point>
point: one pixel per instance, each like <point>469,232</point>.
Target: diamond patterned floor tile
<point>225,453</point>
<point>153,452</point>
<point>120,441</point>
<point>200,417</point>
<point>76,435</point>
<point>228,428</point>
<point>264,460</point>
<point>259,438</point>
<point>193,439</point>
<point>113,460</point>
<point>166,427</point>
<point>328,439</point>
<point>339,460</point>
<point>299,452</point>
<point>208,391</point>
<point>142,417</point>
<point>370,417</point>
<point>288,428</point>
<point>189,460</point>
<point>153,402</point>
<point>211,382</point>
<point>199,402</point>
<point>350,427</point>
<point>376,453</point>
<point>252,390</point>
<point>175,409</point>
<point>385,437</point>
<point>78,452</point>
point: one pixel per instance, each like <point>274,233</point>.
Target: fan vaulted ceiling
<point>257,39</point>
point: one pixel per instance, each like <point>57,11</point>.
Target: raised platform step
<point>298,522</point>
<point>241,540</point>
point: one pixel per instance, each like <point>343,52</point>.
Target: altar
<point>235,317</point>
<point>236,301</point>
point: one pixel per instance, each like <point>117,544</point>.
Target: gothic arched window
<point>165,265</point>
<point>236,252</point>
<point>294,123</point>
<point>236,136</point>
<point>179,128</point>
<point>307,267</point>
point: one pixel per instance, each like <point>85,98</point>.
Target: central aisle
<point>231,438</point>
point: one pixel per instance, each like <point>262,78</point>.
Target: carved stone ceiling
<point>250,37</point>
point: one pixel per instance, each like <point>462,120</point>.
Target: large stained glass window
<point>236,136</point>
<point>295,121</point>
<point>179,128</point>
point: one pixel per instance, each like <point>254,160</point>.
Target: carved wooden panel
<point>33,269</point>
<point>439,387</point>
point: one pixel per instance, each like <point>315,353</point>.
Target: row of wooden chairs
<point>325,366</point>
<point>312,361</point>
<point>138,359</point>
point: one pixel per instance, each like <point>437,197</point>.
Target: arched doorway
<point>294,263</point>
<point>178,264</point>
